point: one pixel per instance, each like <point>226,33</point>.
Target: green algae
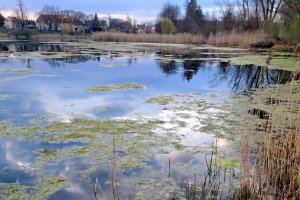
<point>13,192</point>
<point>12,71</point>
<point>37,121</point>
<point>138,140</point>
<point>226,164</point>
<point>88,171</point>
<point>97,136</point>
<point>45,187</point>
<point>38,94</point>
<point>117,87</point>
<point>6,129</point>
<point>161,100</point>
<point>7,79</point>
<point>110,65</point>
<point>276,62</point>
<point>6,97</point>
<point>48,75</point>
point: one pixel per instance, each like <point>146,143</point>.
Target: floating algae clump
<point>110,65</point>
<point>11,71</point>
<point>5,97</point>
<point>161,100</point>
<point>225,164</point>
<point>7,79</point>
<point>117,87</point>
<point>45,187</point>
<point>136,138</point>
<point>13,192</point>
<point>277,62</point>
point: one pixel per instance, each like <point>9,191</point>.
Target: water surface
<point>43,96</point>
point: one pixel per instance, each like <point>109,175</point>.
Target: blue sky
<point>142,10</point>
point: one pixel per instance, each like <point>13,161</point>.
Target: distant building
<point>146,29</point>
<point>72,25</point>
<point>103,25</point>
<point>11,23</point>
<point>49,22</point>
<point>60,23</point>
<point>119,25</point>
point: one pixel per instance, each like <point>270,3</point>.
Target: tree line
<point>279,18</point>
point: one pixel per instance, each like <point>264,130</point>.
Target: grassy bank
<point>233,38</point>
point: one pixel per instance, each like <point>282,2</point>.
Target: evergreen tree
<point>200,18</point>
<point>194,19</point>
<point>95,25</point>
<point>1,21</point>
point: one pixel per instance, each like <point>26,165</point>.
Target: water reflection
<point>30,47</point>
<point>191,68</point>
<point>249,77</point>
<point>56,90</point>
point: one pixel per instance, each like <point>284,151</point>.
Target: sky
<point>141,10</point>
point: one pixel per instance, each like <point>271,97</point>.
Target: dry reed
<point>270,148</point>
<point>235,38</point>
<point>183,38</point>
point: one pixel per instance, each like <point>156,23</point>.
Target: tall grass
<point>234,38</point>
<point>270,148</point>
<point>183,38</point>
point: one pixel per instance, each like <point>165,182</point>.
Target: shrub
<point>272,29</point>
<point>167,26</point>
<point>292,32</point>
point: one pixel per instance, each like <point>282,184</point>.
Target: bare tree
<point>50,15</point>
<point>170,11</point>
<point>270,9</point>
<point>248,14</point>
<point>291,8</point>
<point>229,17</point>
<point>20,12</point>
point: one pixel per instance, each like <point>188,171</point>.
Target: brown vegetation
<point>297,50</point>
<point>284,48</point>
<point>183,38</point>
<point>270,149</point>
<point>233,38</point>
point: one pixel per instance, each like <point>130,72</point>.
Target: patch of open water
<point>48,94</point>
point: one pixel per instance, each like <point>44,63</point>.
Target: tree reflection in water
<point>191,68</point>
<point>240,78</point>
<point>246,78</point>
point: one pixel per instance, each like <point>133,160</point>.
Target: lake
<point>120,121</point>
